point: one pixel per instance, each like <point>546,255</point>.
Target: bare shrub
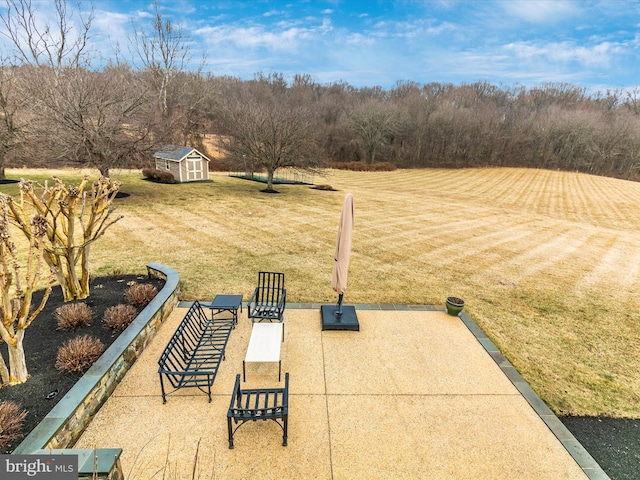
<point>382,167</point>
<point>79,353</point>
<point>11,419</point>
<point>115,273</point>
<point>73,315</point>
<point>324,187</point>
<point>140,294</point>
<point>160,176</point>
<point>362,166</point>
<point>119,317</point>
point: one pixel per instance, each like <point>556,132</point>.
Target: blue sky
<point>595,44</point>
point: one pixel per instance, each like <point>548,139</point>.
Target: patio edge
<point>582,457</point>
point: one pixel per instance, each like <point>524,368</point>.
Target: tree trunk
<point>84,275</point>
<point>54,262</point>
<point>163,95</point>
<point>270,179</point>
<point>4,372</point>
<point>72,288</point>
<point>17,360</point>
<point>372,155</point>
<point>2,173</point>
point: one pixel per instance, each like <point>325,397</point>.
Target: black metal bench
<point>259,404</point>
<point>268,299</point>
<point>193,355</point>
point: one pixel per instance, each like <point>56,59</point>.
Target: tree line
<point>57,110</point>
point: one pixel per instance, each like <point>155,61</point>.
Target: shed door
<point>194,169</point>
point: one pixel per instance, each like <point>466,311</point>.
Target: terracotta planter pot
<point>454,306</point>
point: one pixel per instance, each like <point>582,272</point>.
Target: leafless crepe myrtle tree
<point>17,284</point>
<point>74,218</point>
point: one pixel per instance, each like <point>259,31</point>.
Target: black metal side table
<point>226,303</point>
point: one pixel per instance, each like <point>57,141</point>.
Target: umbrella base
<point>332,321</point>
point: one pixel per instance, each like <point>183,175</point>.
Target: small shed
<point>185,163</point>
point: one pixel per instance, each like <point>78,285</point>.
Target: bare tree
<point>194,103</point>
<point>84,116</point>
<point>95,119</point>
<point>608,144</point>
<point>74,218</point>
<point>632,100</point>
<point>42,44</point>
<point>271,135</point>
<point>16,290</point>
<point>184,99</point>
<point>376,124</point>
<point>12,100</point>
<point>164,52</point>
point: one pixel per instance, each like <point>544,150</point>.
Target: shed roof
<point>176,153</point>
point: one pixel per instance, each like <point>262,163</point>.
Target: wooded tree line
<point>55,109</point>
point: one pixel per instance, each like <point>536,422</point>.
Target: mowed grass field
<point>548,262</point>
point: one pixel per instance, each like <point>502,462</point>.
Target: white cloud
<point>359,39</point>
<point>425,41</point>
<point>598,55</point>
<point>444,27</point>
<point>272,13</point>
<point>112,23</point>
<point>143,14</point>
<point>326,26</point>
<point>289,39</point>
<point>541,11</point>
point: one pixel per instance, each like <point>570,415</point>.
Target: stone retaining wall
<point>64,425</point>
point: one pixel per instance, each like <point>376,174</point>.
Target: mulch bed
<point>613,442</point>
<point>47,385</point>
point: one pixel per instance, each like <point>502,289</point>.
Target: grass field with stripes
<point>548,262</point>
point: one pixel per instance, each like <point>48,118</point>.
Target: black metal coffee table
<point>226,303</point>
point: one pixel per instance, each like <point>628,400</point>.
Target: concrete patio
<point>415,393</point>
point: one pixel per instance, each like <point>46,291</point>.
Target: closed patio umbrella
<point>343,250</point>
<point>338,317</point>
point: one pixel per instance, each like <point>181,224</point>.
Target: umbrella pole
<point>339,305</point>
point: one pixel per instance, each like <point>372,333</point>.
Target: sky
<point>367,43</point>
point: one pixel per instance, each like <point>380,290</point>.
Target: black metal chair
<point>268,299</point>
<point>259,404</point>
